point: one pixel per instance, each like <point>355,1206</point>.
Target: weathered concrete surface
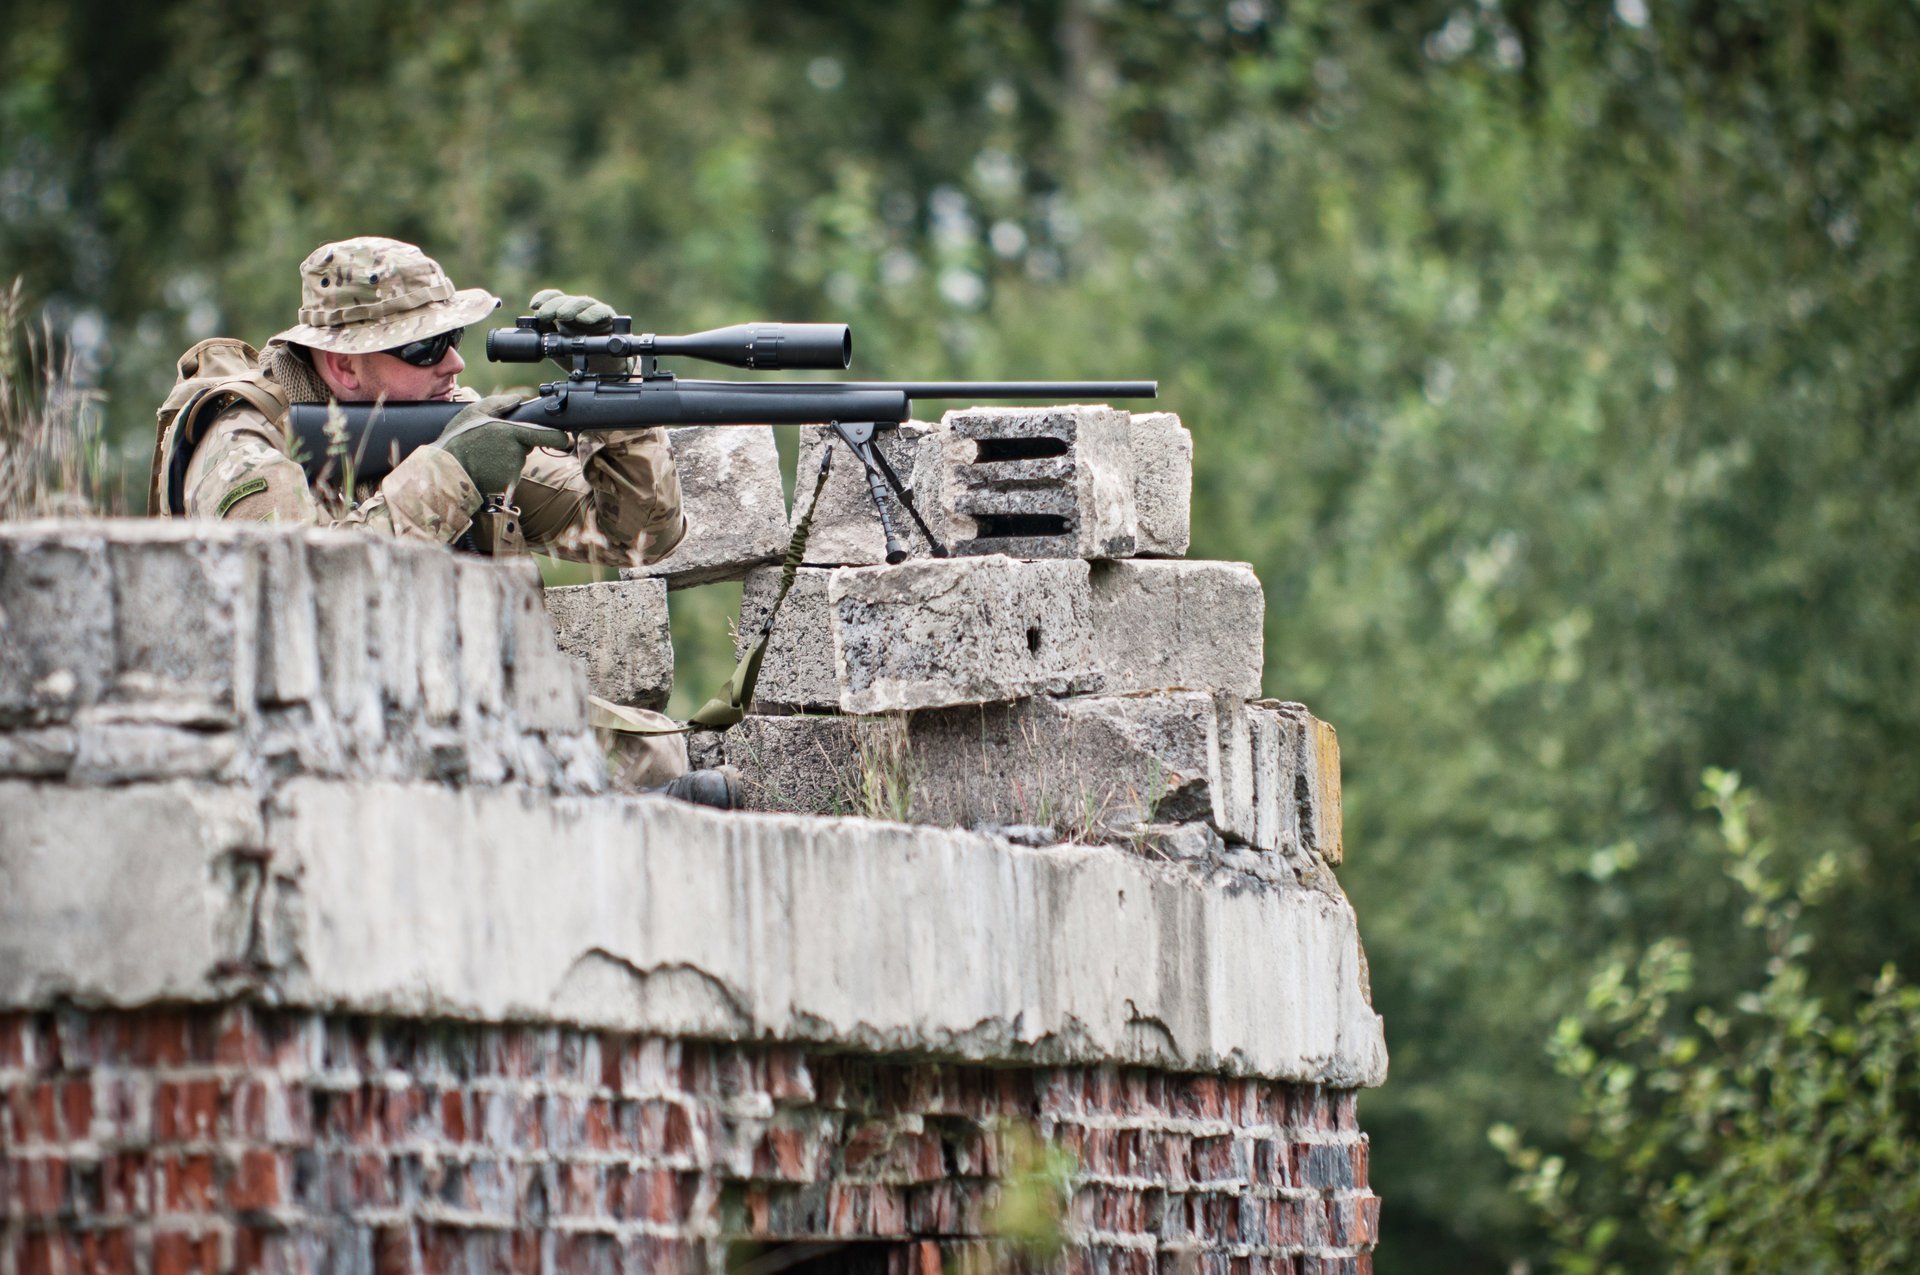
<point>929,634</point>
<point>137,650</point>
<point>1054,482</point>
<point>618,631</point>
<point>1093,768</point>
<point>1039,482</point>
<point>643,914</point>
<point>1162,484</point>
<point>846,530</point>
<point>1306,759</point>
<point>922,634</point>
<point>735,505</point>
<point>1170,625</point>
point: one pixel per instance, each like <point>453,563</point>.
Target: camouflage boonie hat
<point>362,295</point>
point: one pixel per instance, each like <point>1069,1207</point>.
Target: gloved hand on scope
<point>579,316</point>
<point>491,450</point>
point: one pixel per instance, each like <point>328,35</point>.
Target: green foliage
<point>1553,361</point>
<point>1771,1133</point>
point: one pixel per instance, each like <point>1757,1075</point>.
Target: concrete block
<point>420,600</point>
<point>131,752</point>
<point>185,616</point>
<point>1085,768</point>
<point>1230,779</point>
<point>846,530</point>
<point>797,675</point>
<point>1178,625</point>
<point>1039,482</point>
<point>927,633</point>
<point>56,621</point>
<point>735,504</point>
<point>618,632</point>
<point>801,764</point>
<point>424,901</point>
<point>287,667</point>
<point>348,572</point>
<point>1311,761</point>
<point>1162,484</point>
<point>37,753</point>
<point>548,689</point>
<point>134,888</point>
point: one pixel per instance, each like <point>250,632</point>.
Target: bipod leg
<point>859,440</point>
<point>906,499</point>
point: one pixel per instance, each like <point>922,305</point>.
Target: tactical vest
<point>213,376</point>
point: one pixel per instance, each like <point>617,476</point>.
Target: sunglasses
<point>429,352</point>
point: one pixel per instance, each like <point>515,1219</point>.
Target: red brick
<point>866,1144</point>
<point>124,1184</point>
<point>39,1186</point>
<point>236,1041</point>
<point>184,1183</point>
<point>177,1253</point>
<point>393,1250</point>
<point>785,1153</point>
<point>259,1181</point>
<point>1361,1153</point>
<point>453,1115</point>
<point>16,1035</point>
<point>788,1080</point>
<point>185,1110</point>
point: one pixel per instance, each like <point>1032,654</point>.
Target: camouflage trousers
<point>644,749</point>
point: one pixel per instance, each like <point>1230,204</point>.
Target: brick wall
<point>241,1139</point>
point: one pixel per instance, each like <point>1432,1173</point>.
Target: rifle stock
<point>376,438</point>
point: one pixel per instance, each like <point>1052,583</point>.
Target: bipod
<point>880,476</point>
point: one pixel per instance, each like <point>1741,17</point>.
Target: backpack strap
<point>176,449</point>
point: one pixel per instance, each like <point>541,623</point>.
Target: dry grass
<point>53,461</point>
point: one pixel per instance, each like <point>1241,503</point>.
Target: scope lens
<point>515,345</point>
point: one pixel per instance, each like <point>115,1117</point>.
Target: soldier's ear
<point>341,372</point>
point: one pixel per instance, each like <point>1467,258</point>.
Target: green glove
<point>579,316</point>
<point>491,450</point>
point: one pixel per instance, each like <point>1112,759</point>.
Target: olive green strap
<point>730,704</point>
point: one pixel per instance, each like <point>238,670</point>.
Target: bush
<point>1775,1135</point>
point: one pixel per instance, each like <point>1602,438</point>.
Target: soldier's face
<point>401,382</point>
<point>363,378</point>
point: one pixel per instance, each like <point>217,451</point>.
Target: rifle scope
<point>767,346</point>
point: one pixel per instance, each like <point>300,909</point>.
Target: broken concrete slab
<point>1309,763</point>
<point>736,507</point>
<point>1089,768</point>
<point>618,631</point>
<point>421,900</point>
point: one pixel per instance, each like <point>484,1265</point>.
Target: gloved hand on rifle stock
<point>491,450</point>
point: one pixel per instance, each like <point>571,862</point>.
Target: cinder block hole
<point>1033,640</point>
<point>810,1257</point>
<point>988,450</point>
<point>1008,526</point>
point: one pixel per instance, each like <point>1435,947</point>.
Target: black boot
<point>718,787</point>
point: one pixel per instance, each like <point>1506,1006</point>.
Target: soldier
<point>379,319</point>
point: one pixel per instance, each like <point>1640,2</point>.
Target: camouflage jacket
<point>614,499</point>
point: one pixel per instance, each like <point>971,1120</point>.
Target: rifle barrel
<point>1072,391</point>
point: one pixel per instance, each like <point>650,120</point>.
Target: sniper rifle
<point>376,437</point>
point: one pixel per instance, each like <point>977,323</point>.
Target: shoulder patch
<point>240,493</point>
